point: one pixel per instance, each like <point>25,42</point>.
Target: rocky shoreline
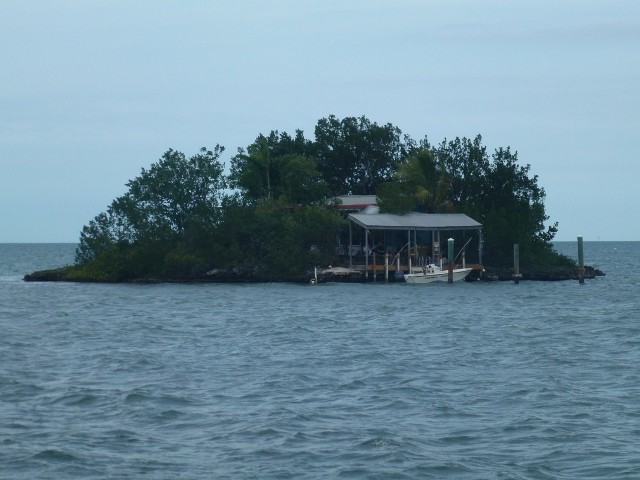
<point>548,275</point>
<point>66,274</point>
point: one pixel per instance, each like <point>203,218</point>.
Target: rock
<point>54,275</point>
<point>544,275</point>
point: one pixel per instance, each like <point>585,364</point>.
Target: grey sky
<point>91,91</point>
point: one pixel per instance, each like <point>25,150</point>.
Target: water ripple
<point>332,381</point>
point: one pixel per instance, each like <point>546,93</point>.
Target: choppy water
<point>482,380</point>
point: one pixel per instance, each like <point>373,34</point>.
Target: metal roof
<point>415,221</point>
<point>355,202</point>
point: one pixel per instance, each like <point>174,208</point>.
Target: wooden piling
<point>516,263</point>
<point>580,260</point>
<point>366,255</point>
<point>375,271</point>
<point>450,260</point>
<point>386,267</point>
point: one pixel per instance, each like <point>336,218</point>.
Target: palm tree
<point>427,181</point>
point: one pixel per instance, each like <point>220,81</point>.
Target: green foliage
<point>183,262</point>
<point>420,184</point>
<point>497,191</point>
<point>354,155</point>
<point>394,197</point>
<point>277,241</point>
<point>466,163</point>
<point>178,221</point>
<point>121,262</point>
<point>175,200</point>
<point>502,195</point>
<point>278,167</point>
<point>511,209</point>
<point>176,195</point>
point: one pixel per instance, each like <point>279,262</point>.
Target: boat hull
<point>438,276</point>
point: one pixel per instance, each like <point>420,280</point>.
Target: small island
<point>276,215</point>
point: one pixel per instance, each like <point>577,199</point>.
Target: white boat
<point>433,273</point>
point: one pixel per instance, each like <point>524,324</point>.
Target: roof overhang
<point>415,221</point>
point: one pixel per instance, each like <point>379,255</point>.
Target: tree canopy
<point>278,167</point>
<point>356,155</point>
<point>420,183</point>
<point>177,200</point>
<point>497,191</point>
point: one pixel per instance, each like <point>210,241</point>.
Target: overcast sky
<point>92,91</point>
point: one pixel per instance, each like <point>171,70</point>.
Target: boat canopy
<point>412,223</point>
<point>415,221</point>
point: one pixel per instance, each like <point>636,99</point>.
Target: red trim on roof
<point>359,206</point>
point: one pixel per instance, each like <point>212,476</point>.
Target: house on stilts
<point>380,243</point>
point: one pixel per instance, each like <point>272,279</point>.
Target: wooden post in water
<point>516,263</point>
<point>450,260</point>
<point>350,243</point>
<point>373,255</point>
<point>366,255</point>
<point>386,267</point>
<point>409,250</point>
<point>580,260</point>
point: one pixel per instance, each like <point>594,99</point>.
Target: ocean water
<point>472,380</point>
